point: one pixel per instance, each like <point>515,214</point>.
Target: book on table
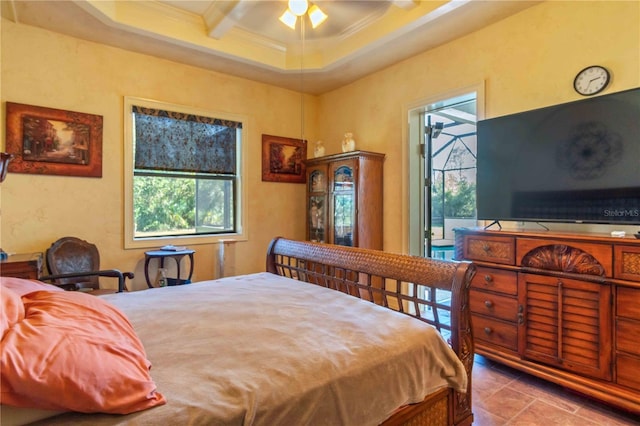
<point>172,248</point>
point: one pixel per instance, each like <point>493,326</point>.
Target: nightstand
<point>22,265</point>
<point>176,255</point>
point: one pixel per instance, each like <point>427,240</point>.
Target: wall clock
<point>591,80</point>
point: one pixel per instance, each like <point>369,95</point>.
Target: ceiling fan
<point>299,8</point>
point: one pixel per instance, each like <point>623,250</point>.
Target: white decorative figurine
<point>318,150</point>
<point>348,144</point>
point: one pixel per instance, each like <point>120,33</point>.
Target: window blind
<point>179,142</point>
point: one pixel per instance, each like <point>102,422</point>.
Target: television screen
<point>574,162</point>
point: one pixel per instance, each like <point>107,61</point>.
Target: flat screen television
<point>573,162</point>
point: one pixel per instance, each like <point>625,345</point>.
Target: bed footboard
<point>433,291</point>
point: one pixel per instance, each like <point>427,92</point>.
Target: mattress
<point>261,349</point>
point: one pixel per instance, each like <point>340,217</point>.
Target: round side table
<point>162,255</point>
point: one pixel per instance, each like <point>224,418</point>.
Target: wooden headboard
<point>431,290</point>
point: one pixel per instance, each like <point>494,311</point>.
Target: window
<point>183,174</point>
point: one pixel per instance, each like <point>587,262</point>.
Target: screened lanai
<point>453,174</point>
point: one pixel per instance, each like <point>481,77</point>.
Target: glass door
<point>317,206</point>
<point>343,206</point>
<point>449,172</point>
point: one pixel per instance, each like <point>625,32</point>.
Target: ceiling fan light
<point>316,16</point>
<point>289,19</point>
<point>298,7</point>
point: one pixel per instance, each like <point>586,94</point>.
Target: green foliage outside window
<point>169,204</point>
<point>182,205</point>
<point>459,196</point>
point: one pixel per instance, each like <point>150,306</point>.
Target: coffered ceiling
<point>246,39</point>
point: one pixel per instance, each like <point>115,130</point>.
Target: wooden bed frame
<point>434,291</point>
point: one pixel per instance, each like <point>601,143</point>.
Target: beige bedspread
<point>266,350</point>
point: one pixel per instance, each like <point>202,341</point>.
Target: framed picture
<point>53,141</point>
<point>283,159</point>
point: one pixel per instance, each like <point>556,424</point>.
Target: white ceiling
<point>246,39</point>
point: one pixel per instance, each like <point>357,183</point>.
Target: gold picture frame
<point>53,141</point>
<point>283,159</point>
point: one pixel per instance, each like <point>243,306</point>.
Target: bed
<point>292,345</point>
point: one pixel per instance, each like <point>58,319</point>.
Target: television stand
<point>560,306</point>
<point>495,222</point>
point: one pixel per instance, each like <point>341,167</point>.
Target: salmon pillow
<point>12,310</point>
<point>23,286</point>
<point>74,352</point>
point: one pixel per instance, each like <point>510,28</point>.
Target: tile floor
<point>506,397</point>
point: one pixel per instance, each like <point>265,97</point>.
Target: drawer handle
<point>520,314</point>
<point>488,330</point>
<point>488,279</point>
<point>486,248</point>
<point>488,303</point>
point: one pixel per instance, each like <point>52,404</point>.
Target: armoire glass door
<point>317,206</point>
<point>343,206</point>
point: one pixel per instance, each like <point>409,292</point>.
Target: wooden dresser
<point>564,307</point>
<point>27,265</point>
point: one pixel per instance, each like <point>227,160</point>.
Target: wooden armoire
<point>344,199</point>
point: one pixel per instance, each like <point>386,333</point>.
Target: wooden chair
<point>69,258</point>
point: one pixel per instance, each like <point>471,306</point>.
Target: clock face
<point>591,80</point>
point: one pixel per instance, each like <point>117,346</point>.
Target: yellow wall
<point>56,71</point>
<point>525,61</point>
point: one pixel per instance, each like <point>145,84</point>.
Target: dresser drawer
<point>495,280</point>
<point>626,262</point>
<point>490,249</point>
<point>494,305</point>
<point>628,371</point>
<point>495,332</point>
<point>628,302</point>
<point>628,336</point>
